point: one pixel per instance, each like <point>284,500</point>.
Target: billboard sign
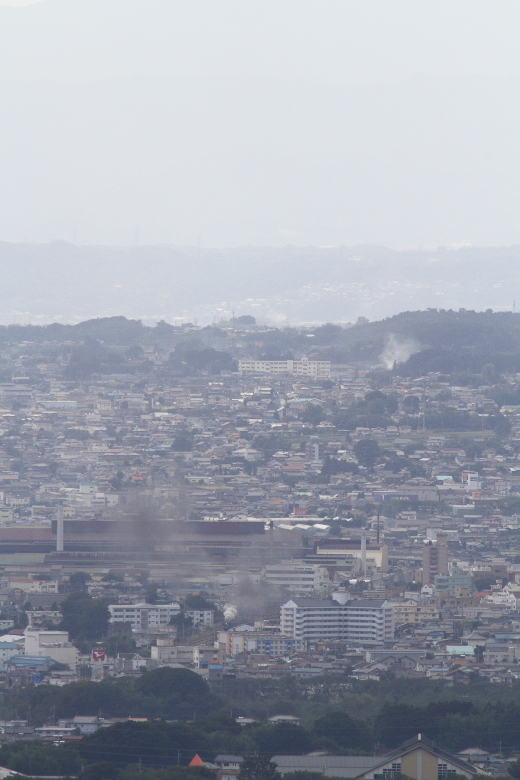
<point>98,654</point>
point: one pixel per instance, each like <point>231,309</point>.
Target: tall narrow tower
<point>442,553</point>
<point>59,530</point>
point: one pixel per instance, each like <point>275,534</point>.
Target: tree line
<point>180,694</point>
<point>185,718</point>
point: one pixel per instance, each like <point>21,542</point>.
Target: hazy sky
<point>333,41</point>
<point>223,122</point>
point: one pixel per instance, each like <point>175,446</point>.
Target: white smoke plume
<point>397,350</point>
<point>230,612</point>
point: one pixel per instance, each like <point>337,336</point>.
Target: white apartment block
<point>303,367</point>
<point>297,577</point>
<point>143,617</point>
<point>201,617</point>
<point>360,622</point>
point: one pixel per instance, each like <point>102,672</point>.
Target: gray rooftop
<point>331,766</point>
<point>332,603</point>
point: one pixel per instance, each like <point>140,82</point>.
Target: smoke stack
<point>59,530</point>
<point>363,554</point>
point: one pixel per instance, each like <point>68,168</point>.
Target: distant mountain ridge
<point>61,282</point>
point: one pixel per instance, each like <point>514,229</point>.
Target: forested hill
<point>482,331</point>
<point>414,343</point>
<point>451,329</point>
<point>394,338</point>
<point>410,343</point>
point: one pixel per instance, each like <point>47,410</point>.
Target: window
<point>443,772</point>
<point>388,774</point>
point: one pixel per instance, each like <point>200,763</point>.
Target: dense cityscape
<point>259,390</point>
<point>236,540</point>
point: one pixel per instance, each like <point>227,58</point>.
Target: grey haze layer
<point>232,160</point>
<point>61,282</point>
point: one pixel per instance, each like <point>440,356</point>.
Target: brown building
<point>435,559</point>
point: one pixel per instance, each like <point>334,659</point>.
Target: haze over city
<point>259,390</point>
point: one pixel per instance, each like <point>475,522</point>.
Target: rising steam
<point>397,350</point>
<point>230,612</point>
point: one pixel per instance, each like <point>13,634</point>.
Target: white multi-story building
<point>201,617</point>
<point>363,621</point>
<point>54,644</point>
<point>297,577</point>
<point>143,617</point>
<point>303,367</point>
<point>89,496</point>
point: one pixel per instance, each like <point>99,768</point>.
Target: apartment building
<point>303,367</point>
<point>201,617</point>
<point>143,617</point>
<point>456,584</point>
<point>314,449</point>
<point>264,642</point>
<point>366,621</point>
<point>411,612</point>
<point>435,559</point>
<point>297,577</point>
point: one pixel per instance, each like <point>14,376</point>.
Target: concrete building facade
<point>303,367</point>
<point>435,559</point>
<point>143,616</point>
<point>297,577</point>
<point>52,644</point>
<point>364,621</point>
